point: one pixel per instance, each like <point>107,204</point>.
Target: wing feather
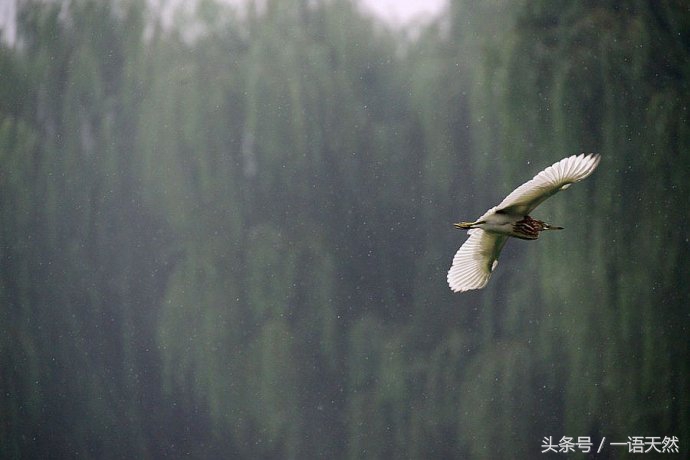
<point>475,260</point>
<point>556,177</point>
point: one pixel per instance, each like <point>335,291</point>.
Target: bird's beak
<point>464,225</point>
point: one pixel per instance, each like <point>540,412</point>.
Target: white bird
<point>477,258</point>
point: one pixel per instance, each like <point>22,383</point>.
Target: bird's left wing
<point>553,179</point>
<point>475,260</point>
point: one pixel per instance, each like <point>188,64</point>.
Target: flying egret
<point>477,258</point>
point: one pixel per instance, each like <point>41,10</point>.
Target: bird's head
<point>467,225</point>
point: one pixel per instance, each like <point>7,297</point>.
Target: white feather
<point>556,177</point>
<point>477,258</point>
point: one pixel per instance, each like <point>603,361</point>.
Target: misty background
<point>225,231</point>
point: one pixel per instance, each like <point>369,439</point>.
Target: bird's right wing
<point>475,260</point>
<point>553,179</point>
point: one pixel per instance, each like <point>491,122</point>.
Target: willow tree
<point>600,314</point>
<point>265,139</point>
<point>229,236</point>
<point>76,245</point>
<point>552,346</point>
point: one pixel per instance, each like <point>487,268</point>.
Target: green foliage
<point>230,239</point>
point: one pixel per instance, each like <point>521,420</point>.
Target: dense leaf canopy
<point>226,235</point>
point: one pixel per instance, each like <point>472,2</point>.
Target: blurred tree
<point>608,323</point>
<point>79,270</point>
<point>228,236</point>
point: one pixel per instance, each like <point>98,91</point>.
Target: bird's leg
<point>529,228</point>
<point>468,225</point>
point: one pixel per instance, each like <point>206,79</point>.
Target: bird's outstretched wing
<point>553,179</point>
<point>475,260</point>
